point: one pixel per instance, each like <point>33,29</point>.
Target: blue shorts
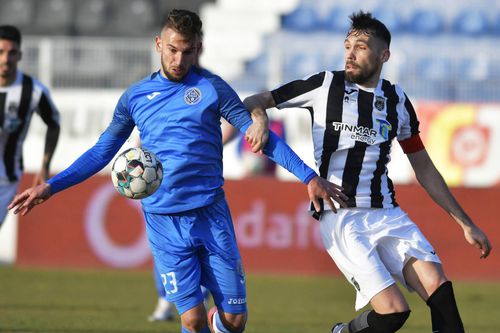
<point>194,248</point>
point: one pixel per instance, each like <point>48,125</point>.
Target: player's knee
<point>390,322</point>
<point>233,322</point>
<point>434,284</point>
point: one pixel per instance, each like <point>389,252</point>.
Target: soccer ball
<point>136,173</point>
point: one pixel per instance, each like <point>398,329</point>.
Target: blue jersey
<point>180,123</point>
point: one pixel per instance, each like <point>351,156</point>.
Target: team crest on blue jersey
<point>192,96</point>
<point>384,127</point>
<point>379,103</point>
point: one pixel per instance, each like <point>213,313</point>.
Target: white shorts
<point>371,247</point>
<point>7,193</point>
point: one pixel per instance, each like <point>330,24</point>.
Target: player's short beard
<point>167,74</point>
<point>363,77</point>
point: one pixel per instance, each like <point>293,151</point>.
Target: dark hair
<point>11,33</point>
<point>184,21</point>
<point>364,21</point>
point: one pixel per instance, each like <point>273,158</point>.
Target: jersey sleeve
<point>298,93</point>
<point>409,123</point>
<point>230,105</point>
<point>97,157</point>
<point>279,152</point>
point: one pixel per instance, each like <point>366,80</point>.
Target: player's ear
<point>158,44</point>
<point>386,54</point>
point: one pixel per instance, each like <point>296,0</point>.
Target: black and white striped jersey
<point>17,104</point>
<point>352,130</point>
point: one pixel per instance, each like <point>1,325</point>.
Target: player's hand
<point>258,133</point>
<point>25,201</point>
<point>319,188</point>
<point>477,238</point>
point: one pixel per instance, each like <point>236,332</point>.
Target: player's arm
<point>50,117</point>
<point>257,105</point>
<point>85,166</point>
<point>258,133</point>
<point>431,180</point>
<point>235,112</point>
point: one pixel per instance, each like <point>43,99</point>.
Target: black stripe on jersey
<point>355,156</point>
<point>46,111</point>
<point>334,108</point>
<point>297,88</point>
<point>377,199</point>
<point>413,116</point>
<point>10,148</point>
<point>3,100</point>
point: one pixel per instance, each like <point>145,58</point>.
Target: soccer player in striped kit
<point>177,111</point>
<point>356,115</point>
<point>20,96</point>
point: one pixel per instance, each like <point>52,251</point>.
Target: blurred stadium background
<point>445,54</point>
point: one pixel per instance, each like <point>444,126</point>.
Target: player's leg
<point>429,281</point>
<point>178,265</point>
<point>222,270</point>
<point>164,310</point>
<point>347,240</point>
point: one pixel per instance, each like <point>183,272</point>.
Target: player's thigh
<point>222,267</point>
<point>175,259</point>
<point>424,276</point>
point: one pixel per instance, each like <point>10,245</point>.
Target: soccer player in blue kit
<point>177,111</point>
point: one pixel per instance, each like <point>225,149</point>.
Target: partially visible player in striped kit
<point>355,117</point>
<point>20,96</point>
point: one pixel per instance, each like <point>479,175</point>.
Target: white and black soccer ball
<point>136,173</point>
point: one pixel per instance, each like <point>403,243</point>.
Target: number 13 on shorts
<point>169,282</point>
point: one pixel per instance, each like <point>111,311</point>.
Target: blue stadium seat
<point>495,28</point>
<point>303,19</point>
<point>91,17</point>
<point>258,66</point>
<point>337,20</point>
<point>426,22</point>
<point>18,13</point>
<point>391,18</point>
<point>471,22</point>
<point>298,65</point>
<point>54,17</point>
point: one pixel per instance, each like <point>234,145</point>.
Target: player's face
<point>364,57</point>
<point>178,54</point>
<point>10,54</point>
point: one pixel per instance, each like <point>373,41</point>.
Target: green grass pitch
<point>109,301</point>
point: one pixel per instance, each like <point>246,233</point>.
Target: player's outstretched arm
<point>432,181</point>
<point>51,138</point>
<point>25,201</point>
<point>257,134</point>
<point>319,188</point>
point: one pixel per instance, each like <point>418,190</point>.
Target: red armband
<point>412,144</point>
